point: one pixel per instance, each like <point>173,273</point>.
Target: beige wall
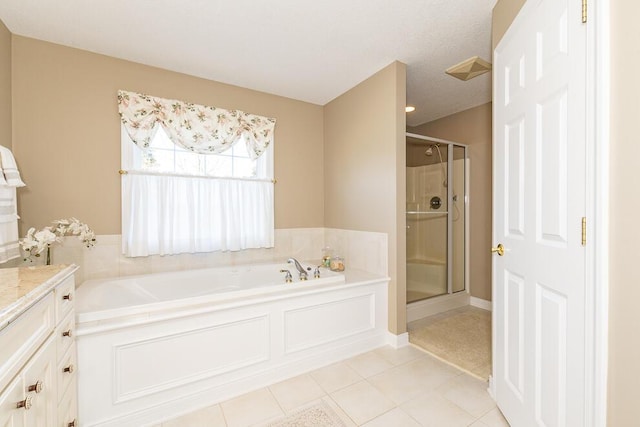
<point>66,137</point>
<point>67,134</point>
<point>472,127</point>
<point>504,13</point>
<point>364,170</point>
<point>624,285</point>
<point>5,86</point>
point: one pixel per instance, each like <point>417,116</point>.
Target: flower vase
<point>48,255</point>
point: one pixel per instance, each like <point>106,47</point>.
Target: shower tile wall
<point>426,233</point>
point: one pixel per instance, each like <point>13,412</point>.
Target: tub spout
<point>300,268</point>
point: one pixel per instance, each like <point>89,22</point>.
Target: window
<point>163,156</point>
<point>176,200</point>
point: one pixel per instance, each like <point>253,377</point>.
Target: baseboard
<point>480,303</point>
<point>492,388</point>
<point>397,341</point>
<point>429,307</point>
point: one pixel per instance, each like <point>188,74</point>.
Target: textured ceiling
<point>307,50</point>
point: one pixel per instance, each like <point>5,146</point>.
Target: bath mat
<point>462,340</point>
<point>317,415</point>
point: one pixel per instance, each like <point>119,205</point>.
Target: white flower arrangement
<point>35,242</point>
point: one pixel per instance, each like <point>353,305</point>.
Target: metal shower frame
<point>450,145</point>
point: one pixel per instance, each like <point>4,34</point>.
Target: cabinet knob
<point>68,333</point>
<point>27,403</point>
<point>68,369</point>
<point>37,387</point>
<point>71,423</point>
<point>68,297</point>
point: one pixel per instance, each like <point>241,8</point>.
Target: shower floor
<point>426,278</point>
<point>413,296</point>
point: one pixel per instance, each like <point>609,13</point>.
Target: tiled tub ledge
<point>361,249</point>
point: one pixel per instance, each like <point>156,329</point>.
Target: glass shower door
<point>427,236</point>
<point>435,217</point>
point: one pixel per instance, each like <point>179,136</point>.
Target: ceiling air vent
<point>469,68</point>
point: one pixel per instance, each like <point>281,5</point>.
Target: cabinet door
<point>39,376</point>
<point>68,408</point>
<point>10,414</point>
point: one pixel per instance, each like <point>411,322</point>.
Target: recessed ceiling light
<point>409,108</point>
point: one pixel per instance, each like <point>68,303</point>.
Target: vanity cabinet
<point>37,363</point>
<point>9,416</point>
<point>38,383</point>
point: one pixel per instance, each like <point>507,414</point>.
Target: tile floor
<point>382,388</point>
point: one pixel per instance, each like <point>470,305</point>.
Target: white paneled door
<point>539,202</point>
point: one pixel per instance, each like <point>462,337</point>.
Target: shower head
<point>429,151</point>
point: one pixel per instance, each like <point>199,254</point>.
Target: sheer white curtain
<point>170,215</point>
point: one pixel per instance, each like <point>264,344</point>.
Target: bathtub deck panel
<point>201,353</point>
<point>177,360</point>
<point>318,324</point>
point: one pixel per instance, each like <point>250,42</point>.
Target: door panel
<point>514,178</point>
<point>551,159</point>
<point>539,200</point>
<point>514,333</point>
<point>551,346</point>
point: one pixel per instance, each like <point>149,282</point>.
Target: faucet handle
<point>287,277</point>
<point>316,272</point>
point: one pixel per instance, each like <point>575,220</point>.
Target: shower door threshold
<point>437,304</point>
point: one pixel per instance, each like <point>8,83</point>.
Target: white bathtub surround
<point>362,250</point>
<point>106,260</point>
<point>174,354</point>
<point>120,298</point>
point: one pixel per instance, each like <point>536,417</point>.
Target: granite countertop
<point>22,287</point>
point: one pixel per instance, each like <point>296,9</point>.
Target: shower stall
<point>436,216</point>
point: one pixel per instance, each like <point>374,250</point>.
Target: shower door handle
<point>499,249</point>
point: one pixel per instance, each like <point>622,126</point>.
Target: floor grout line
<point>370,363</point>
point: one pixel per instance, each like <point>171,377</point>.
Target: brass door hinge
<point>584,11</point>
<point>584,231</point>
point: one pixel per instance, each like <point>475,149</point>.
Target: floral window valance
<point>199,128</point>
